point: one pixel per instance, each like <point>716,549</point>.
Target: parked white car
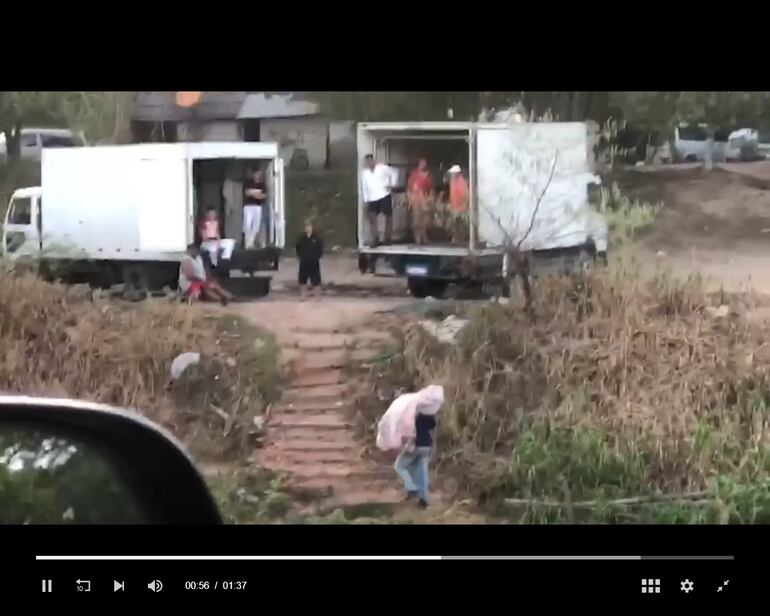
<point>690,143</point>
<point>764,144</point>
<point>33,140</point>
<point>743,145</point>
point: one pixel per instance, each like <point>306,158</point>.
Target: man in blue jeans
<point>413,460</point>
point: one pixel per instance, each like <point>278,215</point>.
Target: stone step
<point>319,377</point>
<point>318,421</point>
<point>309,405</point>
<point>315,392</point>
<point>317,360</point>
<point>333,434</point>
<point>278,456</point>
<point>348,445</point>
<point>330,473</point>
<point>384,480</point>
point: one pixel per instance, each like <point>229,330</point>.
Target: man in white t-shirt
<point>377,182</point>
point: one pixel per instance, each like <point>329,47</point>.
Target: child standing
<point>309,250</point>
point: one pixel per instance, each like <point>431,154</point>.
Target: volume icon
<point>155,586</point>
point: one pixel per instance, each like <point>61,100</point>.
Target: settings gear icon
<point>687,586</point>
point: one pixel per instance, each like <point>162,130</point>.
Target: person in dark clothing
<point>309,249</point>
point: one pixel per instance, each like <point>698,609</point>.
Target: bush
<point>58,344</point>
<point>617,388</point>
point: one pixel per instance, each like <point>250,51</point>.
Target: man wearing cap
<point>377,181</point>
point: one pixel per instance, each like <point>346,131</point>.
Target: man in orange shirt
<point>459,196</point>
<point>420,191</point>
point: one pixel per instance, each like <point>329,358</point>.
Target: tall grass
<point>57,344</point>
<point>625,216</point>
<point>619,388</point>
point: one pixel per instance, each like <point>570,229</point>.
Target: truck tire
<point>136,282</point>
<point>263,286</point>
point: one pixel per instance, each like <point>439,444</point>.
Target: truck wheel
<point>584,262</point>
<point>136,283</point>
<point>263,286</point>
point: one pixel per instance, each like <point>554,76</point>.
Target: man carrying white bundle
<point>407,427</point>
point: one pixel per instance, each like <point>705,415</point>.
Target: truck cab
<point>22,227</point>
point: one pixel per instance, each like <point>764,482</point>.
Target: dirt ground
<point>717,224</point>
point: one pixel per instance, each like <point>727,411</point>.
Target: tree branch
<point>540,200</point>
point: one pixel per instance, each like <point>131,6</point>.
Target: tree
<point>20,108</point>
<point>103,116</point>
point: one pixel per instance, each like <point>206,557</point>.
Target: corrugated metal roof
<point>276,105</point>
<point>162,107</point>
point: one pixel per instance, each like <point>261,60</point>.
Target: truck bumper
<point>255,260</point>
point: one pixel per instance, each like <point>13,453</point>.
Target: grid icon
<point>650,586</point>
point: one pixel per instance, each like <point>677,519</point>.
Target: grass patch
<point>623,399</point>
<point>57,343</point>
<point>625,217</point>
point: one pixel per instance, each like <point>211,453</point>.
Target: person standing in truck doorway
<point>377,180</point>
<point>254,200</point>
<point>420,193</point>
<point>459,197</point>
<point>219,249</point>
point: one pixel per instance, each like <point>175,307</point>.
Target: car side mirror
<point>65,462</point>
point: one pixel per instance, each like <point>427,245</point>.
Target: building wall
<point>342,144</point>
<point>209,131</point>
<point>308,133</point>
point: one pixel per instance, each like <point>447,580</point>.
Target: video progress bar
<point>81,557</point>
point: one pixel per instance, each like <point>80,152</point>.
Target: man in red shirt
<point>420,192</point>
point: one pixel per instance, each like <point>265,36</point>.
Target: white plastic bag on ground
<point>447,331</point>
<point>397,424</point>
<point>182,362</point>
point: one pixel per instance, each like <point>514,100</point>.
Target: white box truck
<point>127,213</point>
<point>526,181</point>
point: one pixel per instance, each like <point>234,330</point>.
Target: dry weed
<point>57,345</point>
<point>619,386</point>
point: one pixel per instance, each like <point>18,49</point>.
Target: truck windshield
<point>21,211</point>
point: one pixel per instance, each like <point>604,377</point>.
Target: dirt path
<point>310,435</point>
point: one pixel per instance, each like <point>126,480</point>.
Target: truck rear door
<point>532,184</point>
<point>165,210</point>
<point>279,205</point>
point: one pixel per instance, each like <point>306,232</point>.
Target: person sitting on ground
<point>309,249</point>
<point>193,282</point>
<point>213,242</point>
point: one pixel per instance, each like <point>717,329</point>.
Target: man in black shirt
<point>254,200</point>
<point>309,250</point>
